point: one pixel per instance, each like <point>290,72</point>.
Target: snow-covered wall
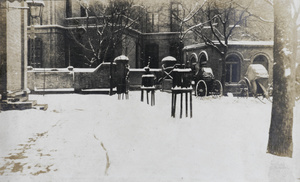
<point>81,78</point>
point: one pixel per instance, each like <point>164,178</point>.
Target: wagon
<point>256,82</point>
<point>205,82</point>
<point>200,76</point>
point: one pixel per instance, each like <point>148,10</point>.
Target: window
<point>193,63</point>
<point>175,50</point>
<point>152,22</point>
<point>35,50</point>
<point>68,8</point>
<point>261,59</point>
<point>82,12</point>
<point>152,55</point>
<point>232,69</point>
<point>177,14</point>
<point>203,58</point>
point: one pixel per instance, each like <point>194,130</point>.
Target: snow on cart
<point>256,82</point>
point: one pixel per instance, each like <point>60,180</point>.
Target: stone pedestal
<point>13,49</point>
<point>122,73</point>
<point>13,55</point>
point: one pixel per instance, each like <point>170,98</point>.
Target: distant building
<point>240,55</point>
<point>156,37</point>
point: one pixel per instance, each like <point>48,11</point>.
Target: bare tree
<point>104,28</point>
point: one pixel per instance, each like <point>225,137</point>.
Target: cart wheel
<point>201,88</point>
<point>217,88</point>
<point>243,88</point>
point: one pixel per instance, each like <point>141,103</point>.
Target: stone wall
<point>81,78</point>
<point>39,79</point>
<point>135,77</point>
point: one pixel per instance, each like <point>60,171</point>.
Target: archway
<point>151,55</point>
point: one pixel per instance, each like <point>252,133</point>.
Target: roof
<point>232,43</point>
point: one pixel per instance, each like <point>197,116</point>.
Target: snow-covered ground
<point>100,138</point>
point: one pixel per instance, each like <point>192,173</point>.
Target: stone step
<point>40,107</point>
<point>34,102</point>
<point>18,105</point>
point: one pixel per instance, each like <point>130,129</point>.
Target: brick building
<point>156,37</point>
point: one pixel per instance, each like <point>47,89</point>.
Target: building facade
<point>240,55</point>
<point>156,36</point>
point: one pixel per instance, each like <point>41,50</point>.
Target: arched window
<point>177,13</point>
<point>193,62</point>
<point>203,58</point>
<point>232,69</point>
<point>261,59</point>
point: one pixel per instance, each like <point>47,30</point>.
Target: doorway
<point>151,55</point>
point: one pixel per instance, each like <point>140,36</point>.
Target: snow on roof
<point>233,43</point>
<point>32,2</point>
<point>194,46</point>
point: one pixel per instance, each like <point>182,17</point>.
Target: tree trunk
<point>280,134</point>
<point>223,74</point>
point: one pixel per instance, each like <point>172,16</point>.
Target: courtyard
<point>96,137</point>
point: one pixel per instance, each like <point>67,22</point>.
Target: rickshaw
<point>255,83</point>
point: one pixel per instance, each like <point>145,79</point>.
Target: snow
<point>286,51</point>
<point>287,72</point>
<point>233,43</point>
<point>97,137</point>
